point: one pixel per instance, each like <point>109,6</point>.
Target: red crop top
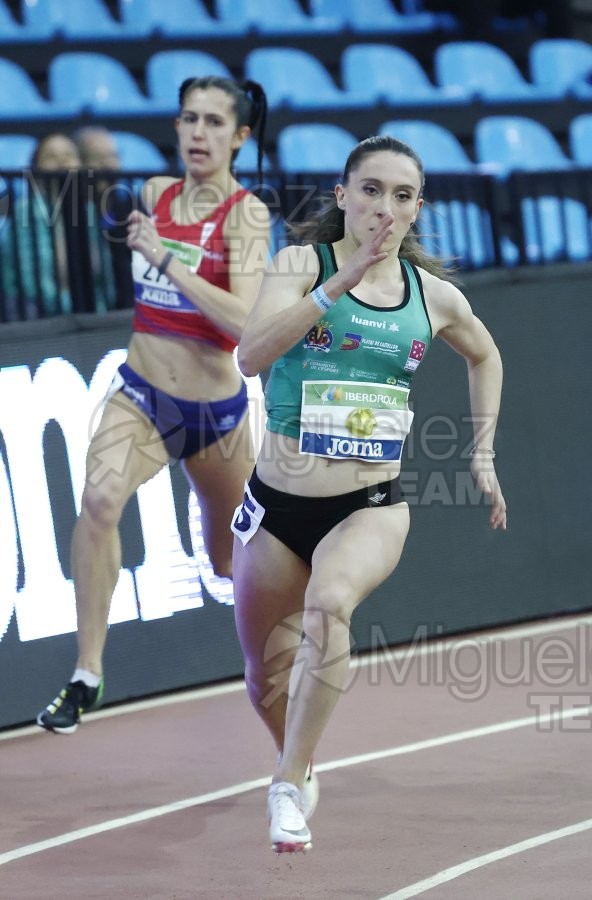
<point>160,307</point>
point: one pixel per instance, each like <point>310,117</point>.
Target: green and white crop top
<point>343,389</point>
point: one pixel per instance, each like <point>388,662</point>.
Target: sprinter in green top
<point>323,522</point>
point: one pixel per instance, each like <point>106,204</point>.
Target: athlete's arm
<point>285,310</point>
<point>453,321</point>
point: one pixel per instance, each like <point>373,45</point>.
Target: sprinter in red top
<point>198,257</point>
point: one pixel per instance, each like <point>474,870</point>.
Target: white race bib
<point>153,289</point>
<point>351,419</point>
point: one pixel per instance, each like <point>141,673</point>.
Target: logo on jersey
<point>351,341</point>
<point>319,338</point>
<point>332,395</point>
<point>416,353</point>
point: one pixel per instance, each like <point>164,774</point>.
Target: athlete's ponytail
<point>257,120</point>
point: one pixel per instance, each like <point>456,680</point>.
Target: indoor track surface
<point>451,770</point>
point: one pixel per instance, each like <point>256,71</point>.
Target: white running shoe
<point>309,793</point>
<point>287,827</point>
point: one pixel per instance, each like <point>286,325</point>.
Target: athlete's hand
<point>484,474</point>
<point>143,236</point>
<point>367,254</point>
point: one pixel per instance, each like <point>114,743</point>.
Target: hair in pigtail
<point>258,119</point>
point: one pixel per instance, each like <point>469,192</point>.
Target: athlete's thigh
<point>217,475</point>
<point>269,585</point>
<point>125,450</point>
<point>358,554</point>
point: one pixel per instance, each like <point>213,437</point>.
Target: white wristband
<point>319,297</point>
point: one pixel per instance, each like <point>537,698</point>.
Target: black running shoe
<point>63,714</point>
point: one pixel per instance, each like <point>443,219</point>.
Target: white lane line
<point>430,646</point>
<point>133,819</point>
<point>420,887</point>
<point>434,645</point>
<point>244,787</point>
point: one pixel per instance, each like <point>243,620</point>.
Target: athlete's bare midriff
<point>283,467</point>
<point>184,368</point>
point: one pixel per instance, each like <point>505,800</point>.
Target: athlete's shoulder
<point>257,210</point>
<point>446,303</point>
<point>154,188</point>
<point>300,260</point>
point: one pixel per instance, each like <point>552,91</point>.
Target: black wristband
<point>165,262</point>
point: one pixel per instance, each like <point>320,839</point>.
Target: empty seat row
<point>141,19</point>
<point>370,73</point>
<point>502,144</point>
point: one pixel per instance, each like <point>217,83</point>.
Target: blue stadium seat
<point>384,73</point>
<point>16,151</point>
<point>580,139</point>
<point>71,19</point>
<point>438,148</point>
<point>272,17</point>
<point>378,16</point>
<point>457,231</point>
<point>11,31</point>
<point>486,72</point>
<point>506,143</point>
<point>94,82</point>
<point>295,78</point>
<point>246,160</point>
<point>167,69</point>
<point>555,229</point>
<point>314,148</point>
<point>138,154</point>
<point>180,18</point>
<point>19,98</point>
<point>562,63</point>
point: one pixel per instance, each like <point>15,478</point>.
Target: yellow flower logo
<point>361,423</point>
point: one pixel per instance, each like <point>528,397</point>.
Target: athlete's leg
<point>124,452</point>
<point>350,561</point>
<point>217,475</point>
<point>269,585</point>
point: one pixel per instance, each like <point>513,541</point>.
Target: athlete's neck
<point>218,187</point>
<point>387,272</point>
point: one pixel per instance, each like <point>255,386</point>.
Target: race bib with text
<point>345,419</point>
<point>153,289</point>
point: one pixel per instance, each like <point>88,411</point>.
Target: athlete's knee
<point>328,609</point>
<point>102,505</point>
<point>270,669</point>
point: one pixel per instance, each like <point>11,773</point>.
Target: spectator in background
<point>56,153</point>
<point>110,204</point>
<point>33,244</point>
<point>97,148</point>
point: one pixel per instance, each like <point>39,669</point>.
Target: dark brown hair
<point>327,224</point>
<point>249,105</point>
